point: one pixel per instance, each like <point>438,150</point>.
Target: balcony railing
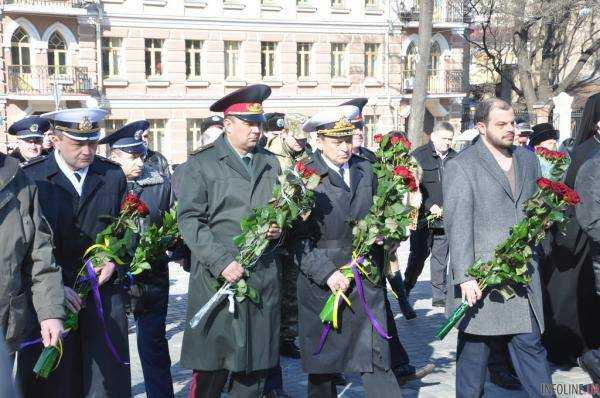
<point>47,3</point>
<point>40,80</point>
<point>439,81</point>
<point>443,11</point>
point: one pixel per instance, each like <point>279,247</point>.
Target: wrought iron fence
<point>439,82</point>
<point>443,11</point>
<point>47,3</point>
<point>39,80</point>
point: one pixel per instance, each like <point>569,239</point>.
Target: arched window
<point>57,55</point>
<point>436,54</point>
<point>412,57</point>
<point>19,51</point>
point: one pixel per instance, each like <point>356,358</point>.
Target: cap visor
<point>252,118</point>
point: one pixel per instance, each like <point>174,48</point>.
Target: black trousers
<point>87,368</point>
<point>527,353</point>
<point>399,356</point>
<point>210,384</point>
<point>154,352</point>
<point>377,384</point>
<point>289,298</point>
<point>423,242</point>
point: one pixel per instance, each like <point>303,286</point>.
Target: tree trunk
<point>521,38</point>
<point>417,106</point>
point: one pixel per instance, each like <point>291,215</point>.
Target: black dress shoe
<point>407,373</point>
<point>289,349</point>
<point>506,380</point>
<point>590,363</point>
<point>339,380</point>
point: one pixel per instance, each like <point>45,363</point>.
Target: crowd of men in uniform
<point>55,193</point>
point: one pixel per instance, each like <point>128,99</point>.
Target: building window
<point>370,126</point>
<point>337,3</point>
<point>338,60</point>
<point>154,66</point>
<point>111,125</point>
<point>303,59</point>
<point>267,58</point>
<point>371,3</point>
<point>193,56</point>
<point>156,134</point>
<point>412,57</point>
<point>57,55</point>
<point>302,2</point>
<point>111,56</point>
<point>232,59</point>
<point>371,60</point>
<point>194,134</point>
<point>19,51</point>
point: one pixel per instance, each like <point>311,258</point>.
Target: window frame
<point>112,57</point>
<point>20,46</point>
<point>372,60</point>
<point>193,134</point>
<point>300,62</point>
<point>268,60</point>
<point>230,61</point>
<point>157,134</point>
<point>150,55</point>
<point>190,53</point>
<point>343,61</point>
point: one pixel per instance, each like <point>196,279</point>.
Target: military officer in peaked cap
<point>149,292</point>
<point>323,245</point>
<point>358,139</point>
<point>76,188</point>
<point>30,134</point>
<point>211,128</point>
<point>218,186</point>
<point>289,146</point>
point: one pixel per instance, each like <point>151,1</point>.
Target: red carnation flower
<point>308,172</point>
<point>411,183</point>
<point>405,142</point>
<point>378,138</point>
<point>560,188</point>
<point>300,166</point>
<point>130,201</point>
<point>545,183</point>
<point>142,209</point>
<point>571,197</point>
<point>402,171</point>
<point>395,139</point>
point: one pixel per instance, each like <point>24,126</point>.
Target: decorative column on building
<point>562,115</point>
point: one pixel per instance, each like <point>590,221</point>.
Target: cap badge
<point>33,128</point>
<point>255,108</point>
<point>215,118</point>
<point>86,124</point>
<point>280,123</point>
<point>138,135</point>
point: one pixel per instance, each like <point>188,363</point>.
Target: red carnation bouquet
<point>293,197</point>
<point>554,164</point>
<point>115,243</point>
<point>508,267</point>
<point>386,224</point>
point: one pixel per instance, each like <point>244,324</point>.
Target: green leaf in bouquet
<point>391,224</point>
<point>326,314</point>
<point>507,292</point>
<point>239,240</point>
<point>253,295</point>
<point>281,218</point>
<point>313,182</point>
<point>241,287</point>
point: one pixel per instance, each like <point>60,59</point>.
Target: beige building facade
<point>168,60</point>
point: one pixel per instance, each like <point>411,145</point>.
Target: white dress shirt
<point>70,174</point>
<point>343,170</point>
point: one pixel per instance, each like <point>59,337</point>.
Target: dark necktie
<point>78,176</point>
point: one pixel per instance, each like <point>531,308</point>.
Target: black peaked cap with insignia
<point>245,103</point>
<point>214,120</point>
<point>30,127</point>
<point>128,138</point>
<point>275,121</point>
<point>360,104</point>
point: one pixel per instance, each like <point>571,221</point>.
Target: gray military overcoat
<point>479,209</point>
<point>215,192</point>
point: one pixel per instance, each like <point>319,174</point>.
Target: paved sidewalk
<point>417,336</point>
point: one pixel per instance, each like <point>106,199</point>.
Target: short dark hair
<point>443,126</point>
<point>485,107</point>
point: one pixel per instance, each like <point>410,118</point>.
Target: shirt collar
<point>70,173</point>
<point>332,166</point>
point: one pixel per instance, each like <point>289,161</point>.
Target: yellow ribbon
<point>336,304</point>
<point>105,250</point>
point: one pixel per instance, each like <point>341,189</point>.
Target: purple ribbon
<point>323,338</point>
<point>29,343</point>
<point>361,294</point>
<point>91,276</point>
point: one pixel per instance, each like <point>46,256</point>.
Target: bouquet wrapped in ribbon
<point>115,243</point>
<point>386,224</point>
<point>293,197</point>
<point>509,264</point>
<point>554,164</point>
